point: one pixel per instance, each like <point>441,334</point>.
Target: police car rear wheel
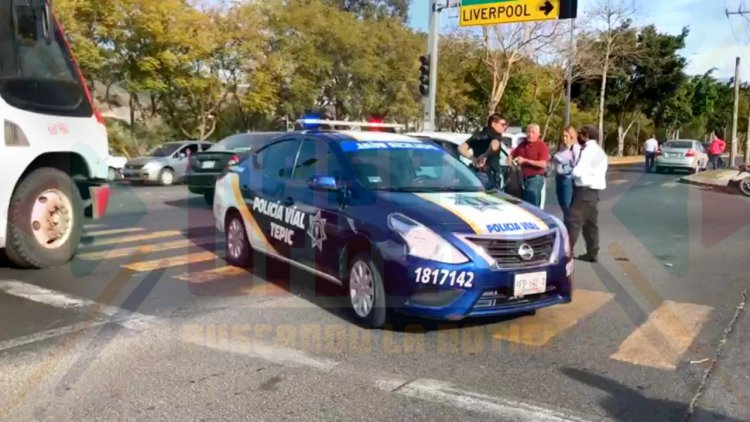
<point>238,248</point>
<point>366,292</point>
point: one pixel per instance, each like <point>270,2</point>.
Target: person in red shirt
<point>532,155</point>
<point>716,149</point>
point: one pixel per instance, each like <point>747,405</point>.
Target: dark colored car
<point>398,221</point>
<point>207,166</point>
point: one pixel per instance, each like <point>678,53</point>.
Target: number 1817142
<point>444,277</point>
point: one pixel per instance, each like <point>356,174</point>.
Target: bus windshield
<point>37,72</point>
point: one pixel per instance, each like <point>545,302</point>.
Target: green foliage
<point>210,69</point>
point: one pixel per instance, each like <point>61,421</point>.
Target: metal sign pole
<point>569,72</point>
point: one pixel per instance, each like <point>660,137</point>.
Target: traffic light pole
<point>432,51</point>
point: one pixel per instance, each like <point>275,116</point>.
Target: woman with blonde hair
<point>565,159</point>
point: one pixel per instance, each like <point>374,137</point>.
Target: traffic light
<point>424,75</point>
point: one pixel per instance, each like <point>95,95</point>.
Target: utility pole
<point>569,76</point>
<point>433,38</point>
<point>733,153</point>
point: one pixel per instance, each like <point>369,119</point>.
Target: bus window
<point>45,79</point>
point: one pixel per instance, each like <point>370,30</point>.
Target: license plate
<point>208,164</point>
<point>530,284</point>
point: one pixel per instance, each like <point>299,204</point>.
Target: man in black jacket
<point>483,148</point>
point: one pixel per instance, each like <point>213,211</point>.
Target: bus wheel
<point>45,220</point>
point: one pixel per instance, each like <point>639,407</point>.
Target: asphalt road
<point>149,322</point>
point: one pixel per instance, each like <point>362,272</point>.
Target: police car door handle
<point>288,201</point>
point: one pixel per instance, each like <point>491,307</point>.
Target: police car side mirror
<point>324,183</point>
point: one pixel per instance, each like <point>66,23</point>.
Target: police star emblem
<point>317,231</point>
<point>482,204</point>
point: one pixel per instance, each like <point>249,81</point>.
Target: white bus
<point>53,153</point>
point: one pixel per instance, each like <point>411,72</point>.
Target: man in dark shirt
<point>483,148</point>
<point>532,155</point>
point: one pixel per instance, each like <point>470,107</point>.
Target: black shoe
<point>587,258</point>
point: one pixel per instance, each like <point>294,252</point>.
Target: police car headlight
<point>423,242</point>
<point>564,234</point>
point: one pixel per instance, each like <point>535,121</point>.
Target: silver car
<point>684,154</point>
<point>164,164</point>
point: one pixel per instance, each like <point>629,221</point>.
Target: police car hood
<point>470,212</point>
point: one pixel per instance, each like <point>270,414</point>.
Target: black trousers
<point>584,216</point>
<point>650,156</point>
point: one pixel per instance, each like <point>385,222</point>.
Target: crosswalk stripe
<point>617,181</point>
<point>172,261</point>
<point>661,341</point>
<point>159,247</point>
<point>112,231</point>
<point>670,184</point>
<point>136,238</point>
<point>539,329</point>
<point>212,275</point>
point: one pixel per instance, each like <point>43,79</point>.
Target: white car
<point>451,141</point>
<point>115,164</point>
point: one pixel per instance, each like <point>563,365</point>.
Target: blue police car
<point>399,222</point>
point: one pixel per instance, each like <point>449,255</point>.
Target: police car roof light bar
<point>347,123</point>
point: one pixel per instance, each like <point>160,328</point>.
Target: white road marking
<point>646,183</point>
<point>132,320</point>
<point>259,350</point>
<point>134,323</point>
<point>670,184</point>
<point>424,389</point>
<point>446,393</point>
<point>617,181</point>
<point>109,232</point>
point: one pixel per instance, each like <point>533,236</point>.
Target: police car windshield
<point>409,167</point>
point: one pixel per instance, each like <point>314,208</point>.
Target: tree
<point>505,45</point>
<point>375,9</point>
<point>659,73</point>
<point>607,46</point>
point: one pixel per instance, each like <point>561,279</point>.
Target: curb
<point>622,161</point>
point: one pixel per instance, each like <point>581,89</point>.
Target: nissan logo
<point>525,252</point>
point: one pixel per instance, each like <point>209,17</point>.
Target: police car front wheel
<point>366,292</point>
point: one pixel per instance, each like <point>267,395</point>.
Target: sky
<point>715,39</point>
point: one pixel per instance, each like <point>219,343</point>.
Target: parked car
<point>164,164</point>
<point>205,167</point>
<point>450,141</point>
<point>115,164</point>
<point>684,154</point>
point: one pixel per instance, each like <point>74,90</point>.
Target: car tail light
<point>690,153</point>
<point>233,161</point>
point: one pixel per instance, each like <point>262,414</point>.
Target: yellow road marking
<point>235,280</point>
<point>617,181</point>
<point>172,261</point>
<point>159,247</point>
<point>212,274</point>
<point>112,231</point>
<point>548,323</point>
<point>136,238</point>
<point>661,341</point>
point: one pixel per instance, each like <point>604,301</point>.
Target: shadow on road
<point>275,278</point>
<point>627,404</point>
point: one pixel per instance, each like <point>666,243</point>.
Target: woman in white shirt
<point>564,160</point>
